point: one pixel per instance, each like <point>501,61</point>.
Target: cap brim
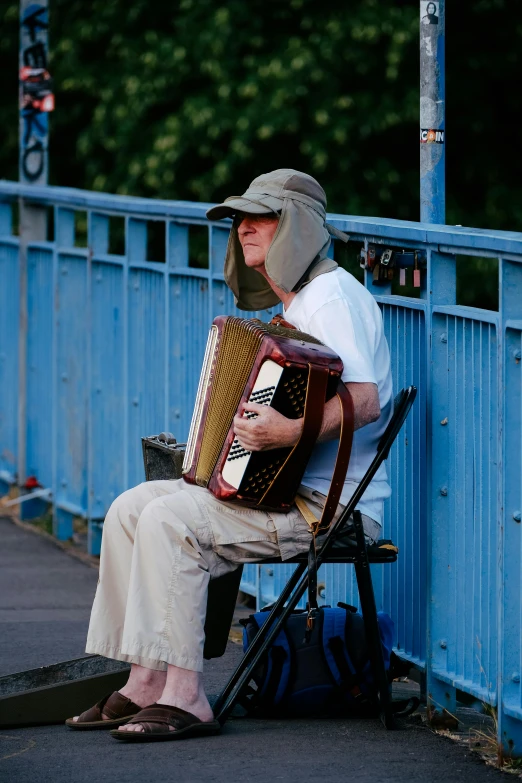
<point>233,205</point>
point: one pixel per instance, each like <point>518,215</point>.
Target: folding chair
<point>361,556</point>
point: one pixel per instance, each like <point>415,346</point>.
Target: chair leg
<point>239,680</point>
<point>371,625</point>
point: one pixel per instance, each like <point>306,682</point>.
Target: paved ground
<point>45,597</point>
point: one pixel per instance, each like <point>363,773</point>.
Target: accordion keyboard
<point>263,392</point>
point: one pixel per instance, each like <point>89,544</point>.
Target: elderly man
<point>164,540</point>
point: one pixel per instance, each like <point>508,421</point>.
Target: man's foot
<point>143,687</point>
<point>201,709</point>
<point>111,711</point>
<point>161,722</point>
<point>185,692</point>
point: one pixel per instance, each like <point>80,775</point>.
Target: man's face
<point>255,234</point>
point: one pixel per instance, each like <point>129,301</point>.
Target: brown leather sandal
<point>157,721</point>
<point>118,709</point>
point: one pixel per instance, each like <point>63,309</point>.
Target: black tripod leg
<point>371,625</point>
<point>264,637</point>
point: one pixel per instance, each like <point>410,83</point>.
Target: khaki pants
<point>162,542</point>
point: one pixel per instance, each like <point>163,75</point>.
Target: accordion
<point>271,364</point>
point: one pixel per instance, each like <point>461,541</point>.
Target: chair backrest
<point>401,407</point>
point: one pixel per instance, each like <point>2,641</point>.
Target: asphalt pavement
<point>45,599</point>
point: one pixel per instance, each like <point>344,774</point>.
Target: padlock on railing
<point>384,262</point>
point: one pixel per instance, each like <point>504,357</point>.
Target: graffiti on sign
<point>36,91</point>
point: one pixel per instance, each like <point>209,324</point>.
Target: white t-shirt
<point>342,313</point>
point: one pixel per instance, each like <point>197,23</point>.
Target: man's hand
<point>270,430</point>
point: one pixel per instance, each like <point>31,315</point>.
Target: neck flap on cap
<point>299,250</point>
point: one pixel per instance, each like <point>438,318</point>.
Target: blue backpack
<point>328,674</point>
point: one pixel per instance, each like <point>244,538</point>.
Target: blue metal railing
<point>114,344</point>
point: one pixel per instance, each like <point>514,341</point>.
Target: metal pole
<point>36,101</point>
<point>36,96</point>
<point>432,112</point>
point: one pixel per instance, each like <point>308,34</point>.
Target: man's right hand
<point>268,430</point>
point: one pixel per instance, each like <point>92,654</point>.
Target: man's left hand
<point>269,430</point>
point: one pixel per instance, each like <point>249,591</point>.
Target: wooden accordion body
<point>247,360</point>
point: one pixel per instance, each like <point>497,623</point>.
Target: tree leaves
<point>193,99</point>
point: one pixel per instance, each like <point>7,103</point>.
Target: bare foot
<point>143,687</point>
<point>183,689</point>
<point>200,709</point>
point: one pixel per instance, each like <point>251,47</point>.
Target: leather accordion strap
<point>312,421</point>
<point>341,466</point>
<point>343,458</point>
<point>278,320</point>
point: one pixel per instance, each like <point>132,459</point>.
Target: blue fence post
<point>40,328</point>
<point>441,291</point>
<point>33,169</point>
<point>177,257</point>
<point>510,512</point>
<point>97,243</point>
<point>9,373</point>
<point>147,345</point>
<point>33,227</point>
<point>71,389</point>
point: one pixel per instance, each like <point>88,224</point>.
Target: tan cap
<point>266,194</point>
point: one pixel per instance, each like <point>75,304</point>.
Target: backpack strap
<point>346,676</point>
<point>277,677</point>
<point>334,621</point>
<point>334,646</point>
<point>351,681</point>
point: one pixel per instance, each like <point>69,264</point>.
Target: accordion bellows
<point>247,360</point>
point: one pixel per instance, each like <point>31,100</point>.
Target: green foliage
<point>477,279</point>
<point>192,99</point>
